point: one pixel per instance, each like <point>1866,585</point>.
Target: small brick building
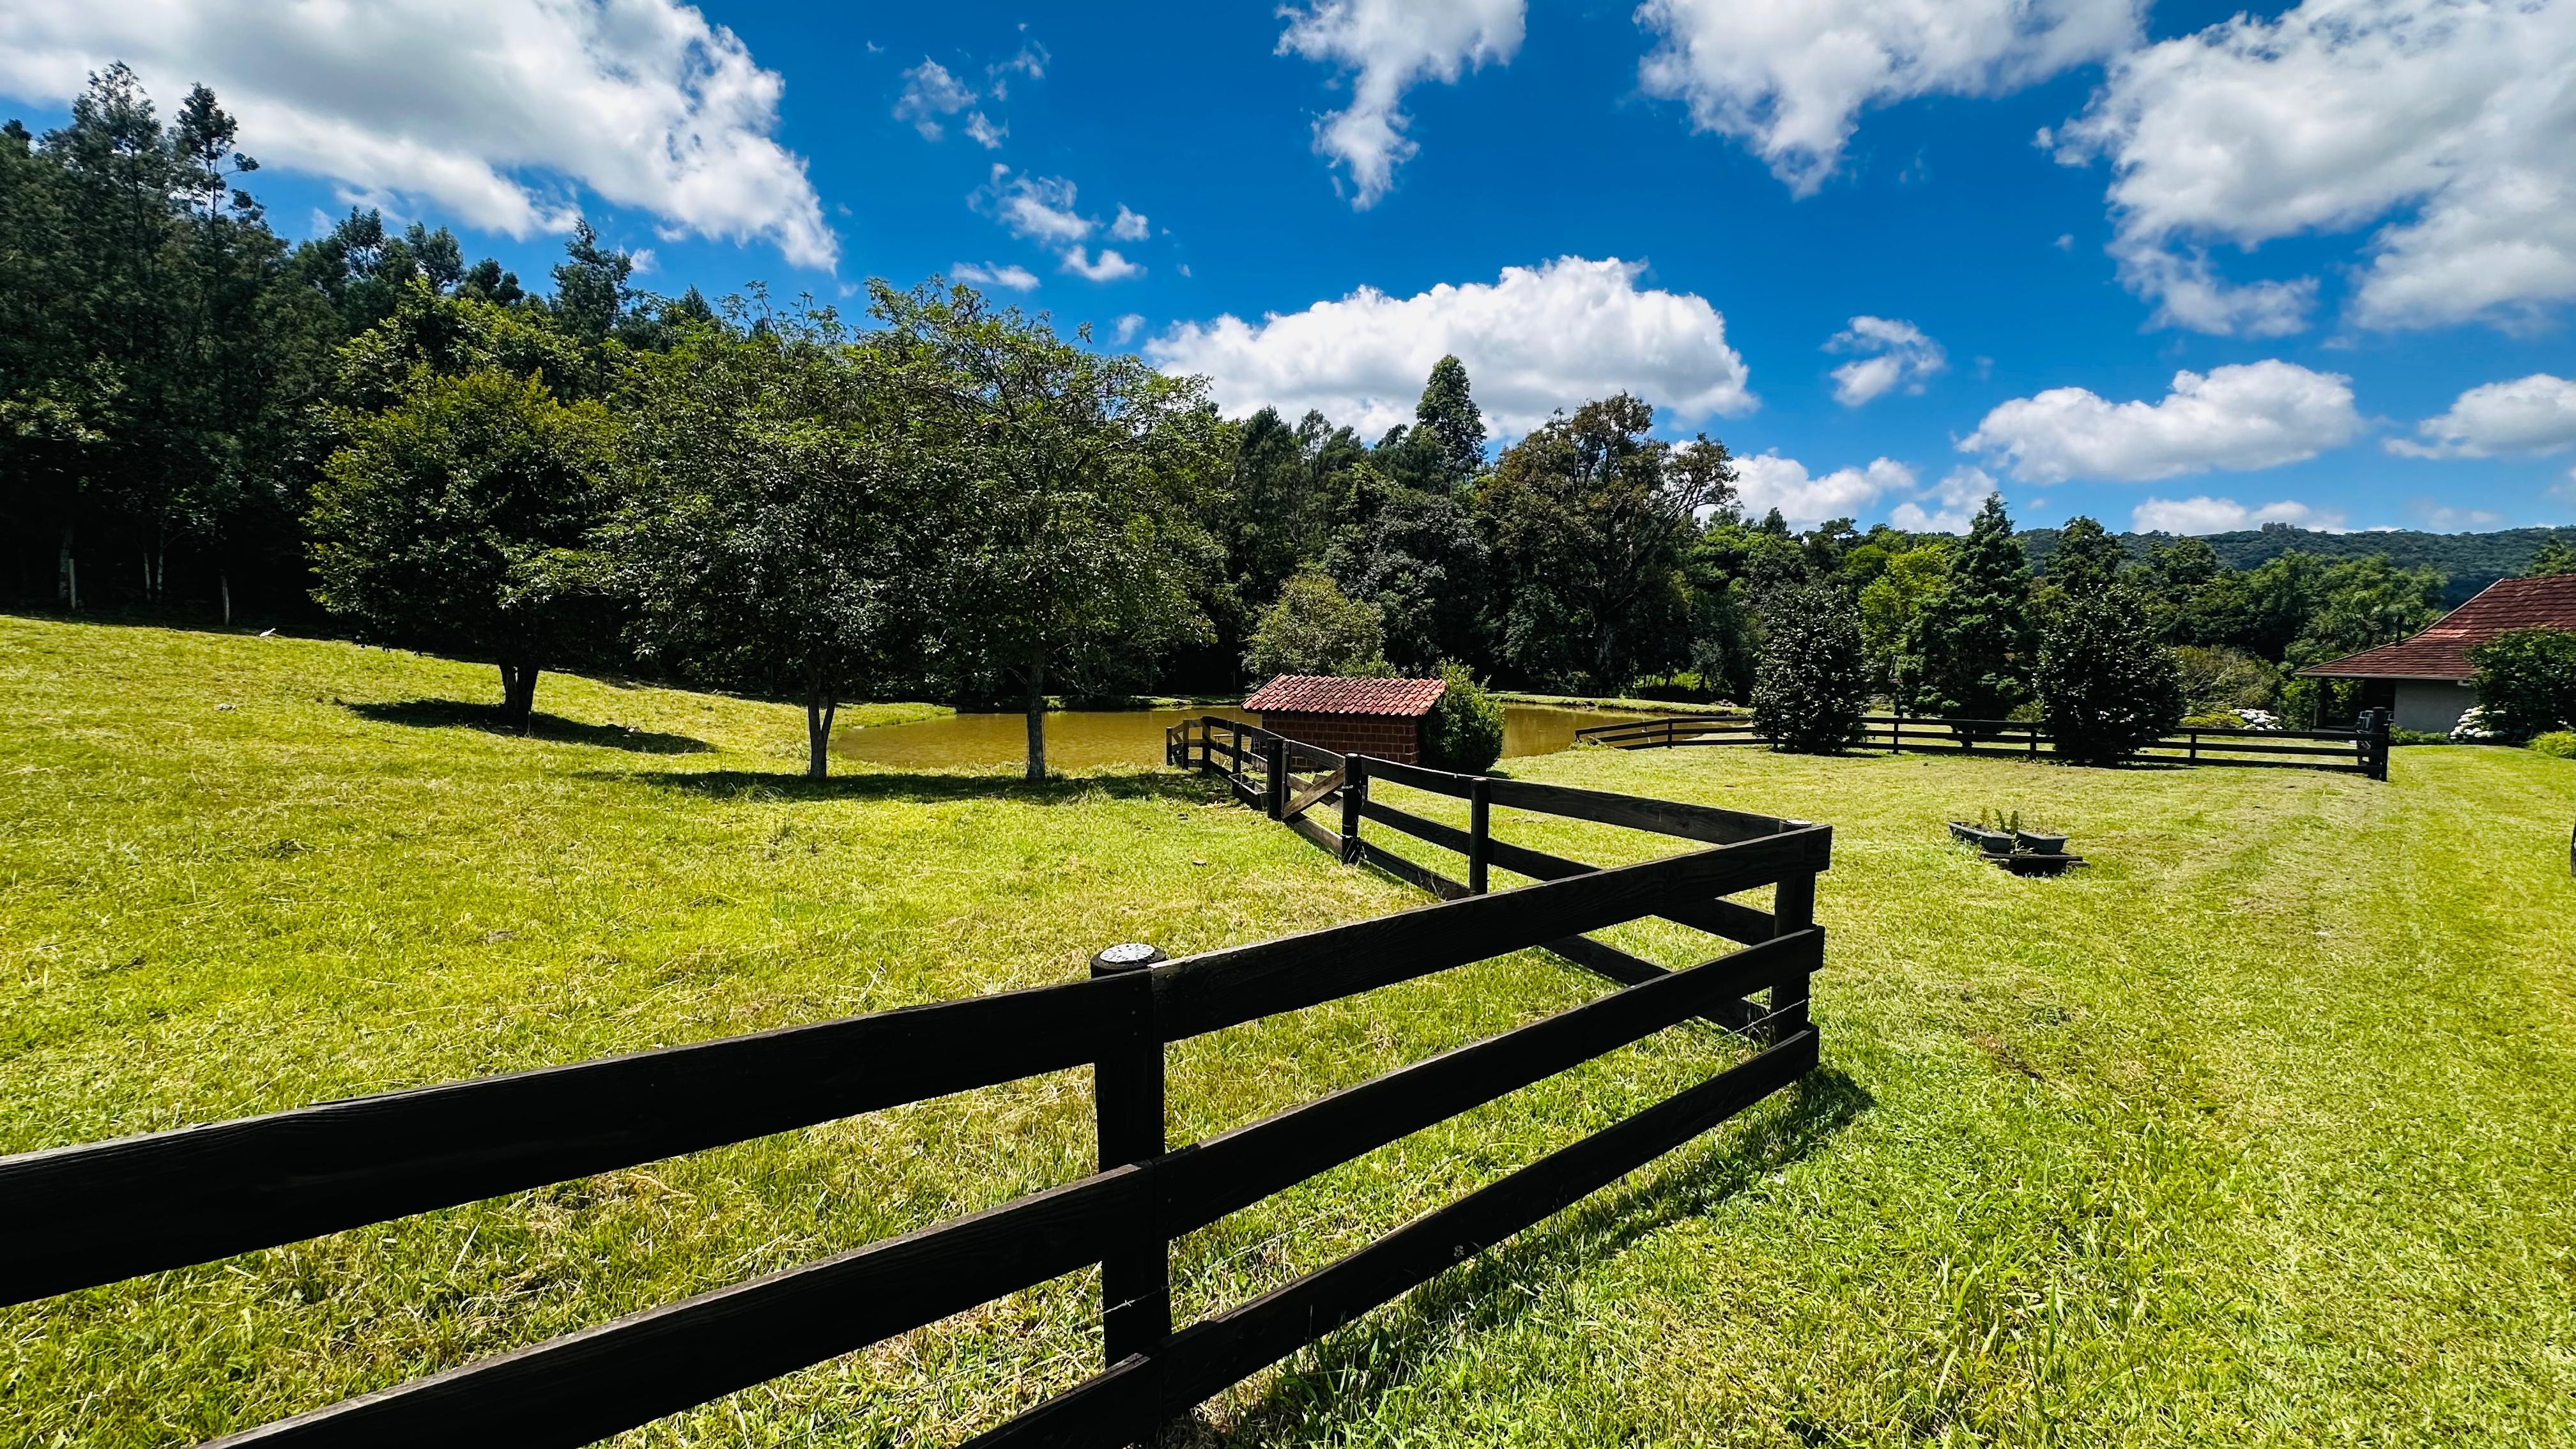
<point>1381,717</point>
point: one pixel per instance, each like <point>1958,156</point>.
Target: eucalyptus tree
<point>774,530</point>
<point>1074,554</point>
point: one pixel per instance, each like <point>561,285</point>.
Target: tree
<point>1590,518</point>
<point>1813,687</point>
<point>1420,560</point>
<point>1315,628</point>
<point>1464,730</point>
<point>1078,553</point>
<point>2086,561</point>
<point>769,536</point>
<point>1448,426</point>
<point>1971,644</point>
<point>2107,688</point>
<point>2556,556</point>
<point>1891,612</point>
<point>460,520</point>
<point>2526,681</point>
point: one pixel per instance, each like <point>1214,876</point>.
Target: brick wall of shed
<point>1352,734</point>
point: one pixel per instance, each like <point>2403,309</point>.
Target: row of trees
<point>946,499</point>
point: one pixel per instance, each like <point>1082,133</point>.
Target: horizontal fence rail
<point>2360,750</point>
<point>80,1216</point>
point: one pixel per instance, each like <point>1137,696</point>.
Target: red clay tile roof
<point>1331,694</point>
<point>2442,651</point>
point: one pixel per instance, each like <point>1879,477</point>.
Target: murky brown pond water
<point>1086,739</point>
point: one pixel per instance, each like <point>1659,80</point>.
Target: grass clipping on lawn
<point>2256,1131</point>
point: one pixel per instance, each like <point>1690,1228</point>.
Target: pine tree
<point>1972,643</point>
<point>1454,424</point>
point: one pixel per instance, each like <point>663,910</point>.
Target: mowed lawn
<point>2258,1130</point>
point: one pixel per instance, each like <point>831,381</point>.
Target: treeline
<point>2467,562</point>
<point>944,499</point>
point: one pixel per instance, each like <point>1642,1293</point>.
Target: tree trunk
<point>519,696</point>
<point>820,706</point>
<point>1037,720</point>
<point>67,574</point>
<point>224,586</point>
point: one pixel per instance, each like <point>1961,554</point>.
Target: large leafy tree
<point>1076,555</point>
<point>1315,628</point>
<point>2107,686</point>
<point>1971,647</point>
<point>1590,518</point>
<point>773,535</point>
<point>2526,681</point>
<point>461,519</point>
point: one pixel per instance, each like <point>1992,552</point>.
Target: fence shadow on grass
<point>1338,1382</point>
<point>926,785</point>
<point>462,714</point>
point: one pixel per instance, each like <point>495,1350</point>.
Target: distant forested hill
<point>2467,562</point>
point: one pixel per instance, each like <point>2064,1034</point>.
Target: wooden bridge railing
<point>2360,750</point>
<point>79,1216</point>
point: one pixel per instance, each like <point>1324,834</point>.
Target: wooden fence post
<point>2034,744</point>
<point>1276,787</point>
<point>1354,797</point>
<point>1480,809</point>
<point>2379,722</point>
<point>1793,909</point>
<point>1896,734</point>
<point>1127,1095</point>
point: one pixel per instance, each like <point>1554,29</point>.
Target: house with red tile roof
<point>1381,717</point>
<point>2425,680</point>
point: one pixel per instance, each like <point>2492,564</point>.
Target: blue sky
<point>2341,219</point>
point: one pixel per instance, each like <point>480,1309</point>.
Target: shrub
<point>2556,744</point>
<point>1465,729</point>
<point>2106,687</point>
<point>2422,737</point>
<point>1813,682</point>
<point>1315,628</point>
<point>2220,719</point>
<point>2526,681</point>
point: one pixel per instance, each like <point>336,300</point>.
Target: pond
<point>1078,739</point>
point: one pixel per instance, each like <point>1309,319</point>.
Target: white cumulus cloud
<point>2529,416</point>
<point>2448,124</point>
<point>2242,417</point>
<point>1128,326</point>
<point>1954,503</point>
<point>1016,278</point>
<point>1130,226</point>
<point>1538,339</point>
<point>1892,354</point>
<point>482,110</point>
<point>1109,266</point>
<point>1766,481</point>
<point>1789,78</point>
<point>1390,46</point>
<point>2225,515</point>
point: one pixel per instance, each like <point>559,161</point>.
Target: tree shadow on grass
<point>459,714</point>
<point>1318,1397</point>
<point>928,786</point>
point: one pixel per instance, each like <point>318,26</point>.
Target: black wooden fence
<point>74,1217</point>
<point>2362,749</point>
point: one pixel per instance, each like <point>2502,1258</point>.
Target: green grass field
<point>2257,1131</point>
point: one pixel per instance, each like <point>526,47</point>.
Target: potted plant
<point>2038,842</point>
<point>1988,834</point>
